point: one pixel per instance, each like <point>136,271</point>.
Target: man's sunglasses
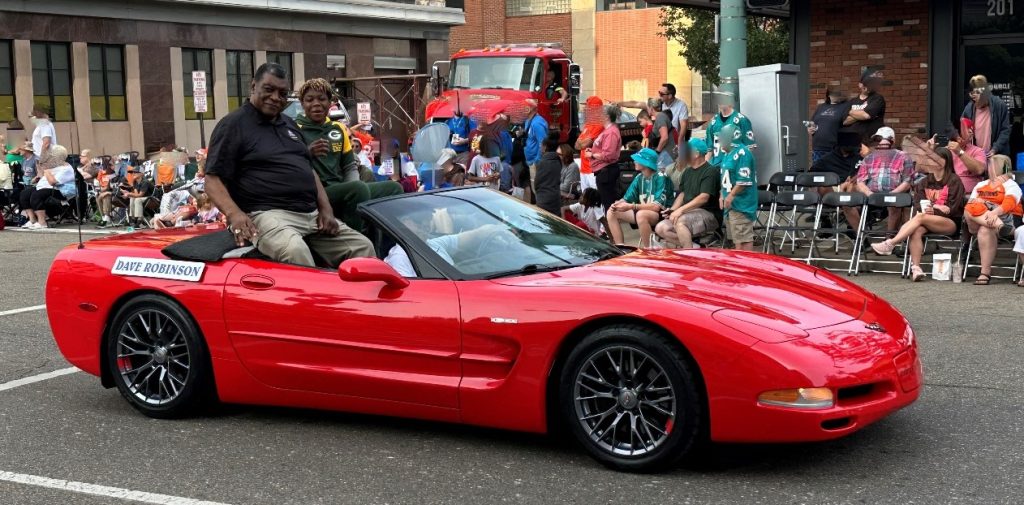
<point>663,94</point>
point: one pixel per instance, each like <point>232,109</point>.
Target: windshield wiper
<point>494,87</point>
<point>532,268</point>
<point>609,255</point>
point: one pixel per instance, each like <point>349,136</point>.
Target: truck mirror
<point>575,79</point>
<point>435,80</point>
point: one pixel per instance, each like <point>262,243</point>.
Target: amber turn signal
<point>799,398</point>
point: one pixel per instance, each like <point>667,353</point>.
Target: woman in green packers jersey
<point>332,155</point>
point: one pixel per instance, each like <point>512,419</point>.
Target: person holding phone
<point>940,204</point>
<point>969,161</point>
<point>826,122</point>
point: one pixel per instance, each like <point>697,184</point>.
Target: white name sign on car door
<point>158,269</point>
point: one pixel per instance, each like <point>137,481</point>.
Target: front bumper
<point>865,390</point>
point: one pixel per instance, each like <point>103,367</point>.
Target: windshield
<point>481,233</point>
<point>496,73</point>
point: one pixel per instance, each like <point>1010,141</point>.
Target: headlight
<point>799,398</point>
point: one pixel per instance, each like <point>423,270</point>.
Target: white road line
<point>23,309</point>
<point>97,490</point>
<point>37,378</point>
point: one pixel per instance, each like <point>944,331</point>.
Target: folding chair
<point>779,181</point>
<point>765,199</point>
<point>834,202</point>
<point>793,200</point>
<point>1004,244</point>
<point>880,201</point>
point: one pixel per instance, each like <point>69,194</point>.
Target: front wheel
<point>158,359</point>
<point>631,398</point>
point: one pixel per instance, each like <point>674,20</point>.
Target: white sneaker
<point>27,225</point>
<point>37,226</point>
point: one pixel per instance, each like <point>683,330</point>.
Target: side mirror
<point>371,270</point>
<point>575,79</point>
<point>436,81</point>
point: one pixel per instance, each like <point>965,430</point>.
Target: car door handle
<point>253,281</point>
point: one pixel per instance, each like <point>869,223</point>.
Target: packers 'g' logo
<point>334,135</point>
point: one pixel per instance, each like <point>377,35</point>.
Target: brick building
<point>615,42</point>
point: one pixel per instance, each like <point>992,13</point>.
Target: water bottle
<point>958,273</point>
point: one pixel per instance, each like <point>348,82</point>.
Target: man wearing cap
<point>885,170</point>
<point>695,211</point>
<point>728,115</point>
<point>738,198</point>
<point>646,198</point>
<point>453,173</point>
<point>990,116</point>
<point>867,111</point>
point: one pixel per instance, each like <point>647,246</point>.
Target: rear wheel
<point>158,359</point>
<point>631,398</point>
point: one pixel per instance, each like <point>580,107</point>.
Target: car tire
<point>603,396</point>
<point>158,359</point>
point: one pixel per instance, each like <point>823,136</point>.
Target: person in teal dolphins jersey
<point>728,115</point>
<point>738,199</point>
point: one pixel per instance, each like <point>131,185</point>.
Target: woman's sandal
<point>1021,283</point>
<point>983,280</point>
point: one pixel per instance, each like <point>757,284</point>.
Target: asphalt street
<point>962,442</point>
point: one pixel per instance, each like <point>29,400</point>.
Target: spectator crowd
<point>688,189</point>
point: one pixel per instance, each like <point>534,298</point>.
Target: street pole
<point>733,46</point>
<point>202,132</point>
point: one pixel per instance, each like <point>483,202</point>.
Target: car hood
<point>749,286</point>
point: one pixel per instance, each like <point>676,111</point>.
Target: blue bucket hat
<point>698,145</point>
<point>647,157</point>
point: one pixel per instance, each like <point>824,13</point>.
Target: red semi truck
<point>513,72</point>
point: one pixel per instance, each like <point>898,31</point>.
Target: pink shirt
<point>969,179</point>
<point>983,127</point>
<point>606,147</point>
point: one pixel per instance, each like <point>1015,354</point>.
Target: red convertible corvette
<point>505,317</point>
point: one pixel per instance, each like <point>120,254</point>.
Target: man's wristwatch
<point>960,153</point>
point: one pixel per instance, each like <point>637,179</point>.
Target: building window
<point>197,59</point>
<point>51,79</point>
<point>7,109</point>
<point>106,83</point>
<point>515,8</point>
<point>619,5</point>
<point>283,59</point>
<point>239,77</point>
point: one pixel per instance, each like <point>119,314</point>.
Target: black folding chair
<point>880,201</point>
<point>765,199</point>
<point>793,200</point>
<point>834,202</point>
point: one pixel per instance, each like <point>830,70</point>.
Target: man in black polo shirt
<point>258,174</point>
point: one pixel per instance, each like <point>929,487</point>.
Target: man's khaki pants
<point>281,234</point>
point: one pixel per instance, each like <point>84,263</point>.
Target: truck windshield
<point>496,72</point>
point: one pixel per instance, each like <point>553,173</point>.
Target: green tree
<point>694,29</point>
